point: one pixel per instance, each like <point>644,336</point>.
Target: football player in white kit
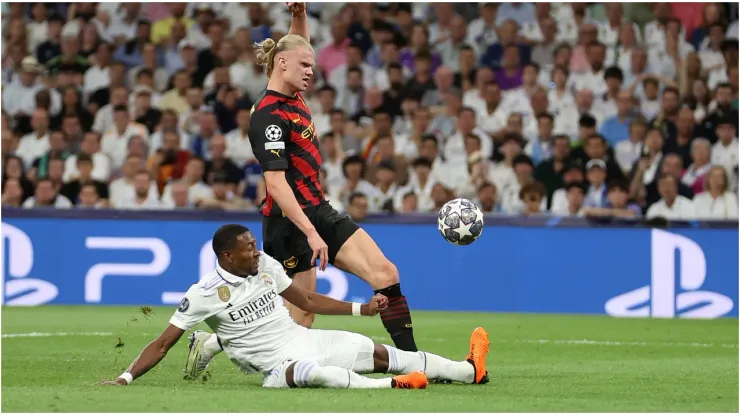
<point>239,302</point>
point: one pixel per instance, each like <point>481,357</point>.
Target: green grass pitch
<point>538,363</point>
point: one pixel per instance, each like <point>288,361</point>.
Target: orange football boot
<point>478,350</point>
<point>413,380</point>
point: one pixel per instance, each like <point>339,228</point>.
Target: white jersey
<point>247,314</point>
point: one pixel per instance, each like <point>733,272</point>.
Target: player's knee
<point>387,275</point>
<point>306,374</point>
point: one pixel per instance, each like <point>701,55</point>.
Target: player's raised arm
<point>299,24</point>
<point>150,356</point>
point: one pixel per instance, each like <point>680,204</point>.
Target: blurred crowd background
<point>565,109</point>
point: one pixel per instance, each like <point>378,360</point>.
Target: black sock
<point>397,318</point>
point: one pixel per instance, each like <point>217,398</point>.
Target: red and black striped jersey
<point>283,137</point>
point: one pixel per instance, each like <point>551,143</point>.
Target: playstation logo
<point>674,288</point>
<point>20,288</point>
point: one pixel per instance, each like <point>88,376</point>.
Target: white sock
<point>435,367</point>
<point>308,373</point>
<point>211,347</point>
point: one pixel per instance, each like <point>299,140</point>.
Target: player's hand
<point>320,250</point>
<point>116,382</point>
<point>296,7</point>
<point>377,303</point>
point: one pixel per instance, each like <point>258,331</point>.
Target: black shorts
<point>288,245</point>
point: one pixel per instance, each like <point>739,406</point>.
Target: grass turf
<point>538,363</point>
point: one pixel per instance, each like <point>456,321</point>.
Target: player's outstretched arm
<point>324,305</point>
<point>299,24</point>
<point>150,356</point>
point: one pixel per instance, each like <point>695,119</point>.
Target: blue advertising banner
<point>639,272</point>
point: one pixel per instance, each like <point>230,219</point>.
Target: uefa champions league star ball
<point>460,222</point>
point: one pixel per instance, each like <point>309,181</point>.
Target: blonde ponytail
<point>267,49</point>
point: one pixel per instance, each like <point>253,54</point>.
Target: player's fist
<point>116,382</point>
<point>296,7</point>
<point>377,303</point>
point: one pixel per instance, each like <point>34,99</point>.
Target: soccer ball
<point>460,222</point>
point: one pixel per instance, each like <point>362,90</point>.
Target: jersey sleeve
<point>268,134</point>
<point>195,307</point>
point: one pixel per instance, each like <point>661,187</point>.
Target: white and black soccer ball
<point>460,222</point>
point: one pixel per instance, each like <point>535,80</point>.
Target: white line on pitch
<point>622,343</point>
<point>523,341</point>
<point>599,343</point>
<point>57,334</point>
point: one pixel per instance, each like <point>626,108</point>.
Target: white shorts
<point>328,348</point>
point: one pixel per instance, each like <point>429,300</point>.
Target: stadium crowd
<point>565,109</point>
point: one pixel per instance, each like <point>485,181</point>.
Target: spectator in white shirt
<point>716,202</point>
<point>454,148</point>
<point>19,98</point>
<point>627,152</point>
<point>123,25</point>
<point>101,163</point>
<point>355,58</point>
<point>98,75</point>
<point>725,151</point>
<point>238,146</point>
<point>593,78</point>
<point>115,140</point>
<point>193,178</point>
<point>35,144</point>
<point>575,195</point>
<point>694,175</point>
<point>332,155</point>
<point>671,206</point>
<point>655,30</point>
<point>47,196</point>
<point>326,96</point>
<point>421,183</point>
<point>169,121</point>
<point>143,198</point>
<point>559,94</point>
<point>179,197</point>
<point>122,190</point>
<point>104,115</point>
<point>482,31</point>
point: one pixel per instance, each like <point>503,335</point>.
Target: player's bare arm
<point>150,356</point>
<point>324,305</point>
<point>299,24</point>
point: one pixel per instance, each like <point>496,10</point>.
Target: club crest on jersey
<point>266,279</point>
<point>273,133</point>
<point>290,263</point>
<point>184,305</point>
<point>224,294</point>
